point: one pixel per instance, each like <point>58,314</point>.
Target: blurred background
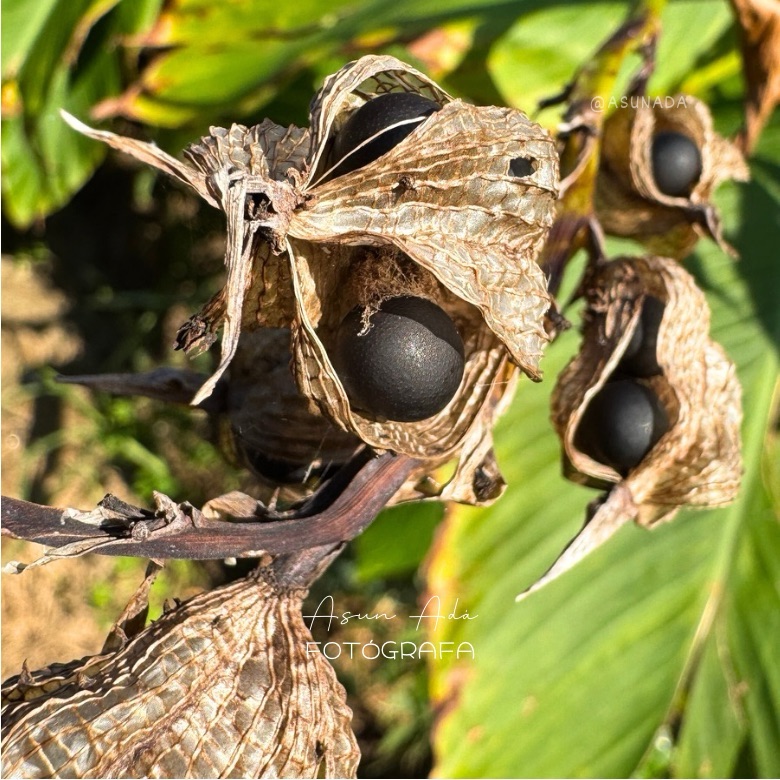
<point>655,657</point>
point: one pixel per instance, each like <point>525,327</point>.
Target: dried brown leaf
<point>759,22</point>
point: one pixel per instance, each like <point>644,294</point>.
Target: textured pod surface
<point>269,419</point>
<point>698,460</point>
<point>628,199</point>
<point>456,212</point>
<point>449,199</point>
<point>225,685</point>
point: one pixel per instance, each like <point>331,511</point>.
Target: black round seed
<point>640,358</point>
<point>621,424</point>
<point>676,162</point>
<point>373,117</point>
<point>407,366</point>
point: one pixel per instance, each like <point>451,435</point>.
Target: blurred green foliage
<point>654,657</point>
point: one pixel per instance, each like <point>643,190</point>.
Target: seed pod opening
<point>368,278</point>
<point>661,160</point>
<point>350,94</point>
<point>693,456</point>
<point>374,128</point>
<point>449,215</point>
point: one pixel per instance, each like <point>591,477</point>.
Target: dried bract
<point>228,683</point>
<point>629,201</point>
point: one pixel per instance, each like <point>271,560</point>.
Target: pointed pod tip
<point>76,124</point>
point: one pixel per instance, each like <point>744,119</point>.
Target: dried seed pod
<point>697,460</point>
<point>669,211</point>
<point>228,683</point>
<point>270,427</point>
<point>456,212</point>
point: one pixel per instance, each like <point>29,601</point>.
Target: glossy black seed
<point>676,162</point>
<point>407,366</point>
<point>373,117</point>
<point>621,424</point>
<point>640,358</point>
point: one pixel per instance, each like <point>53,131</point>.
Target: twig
<point>335,514</point>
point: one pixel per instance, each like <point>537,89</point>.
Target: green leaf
<point>22,24</point>
<point>680,54</point>
<point>238,57</point>
<point>666,632</point>
<point>45,56</point>
<point>539,54</point>
<point>65,59</point>
<point>534,60</point>
<point>714,726</point>
<point>43,161</point>
<point>396,542</point>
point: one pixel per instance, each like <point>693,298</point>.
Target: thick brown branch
<point>182,531</point>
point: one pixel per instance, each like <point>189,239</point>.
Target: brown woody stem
<point>182,531</point>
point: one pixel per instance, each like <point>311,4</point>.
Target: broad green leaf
<point>714,727</point>
<point>22,23</point>
<point>43,161</point>
<point>669,632</point>
<point>396,542</point>
<point>539,55</point>
<point>45,55</point>
<point>228,57</point>
<point>680,53</point>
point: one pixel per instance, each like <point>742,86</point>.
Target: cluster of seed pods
<point>650,408</point>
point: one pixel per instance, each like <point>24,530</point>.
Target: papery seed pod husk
<point>270,425</point>
<point>627,200</point>
<point>470,229</point>
<point>697,461</point>
<point>759,22</point>
<point>444,214</point>
<point>227,684</point>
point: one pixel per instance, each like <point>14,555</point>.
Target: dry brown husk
<point>224,685</point>
<point>627,201</point>
<point>439,216</point>
<point>264,405</point>
<point>697,461</point>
